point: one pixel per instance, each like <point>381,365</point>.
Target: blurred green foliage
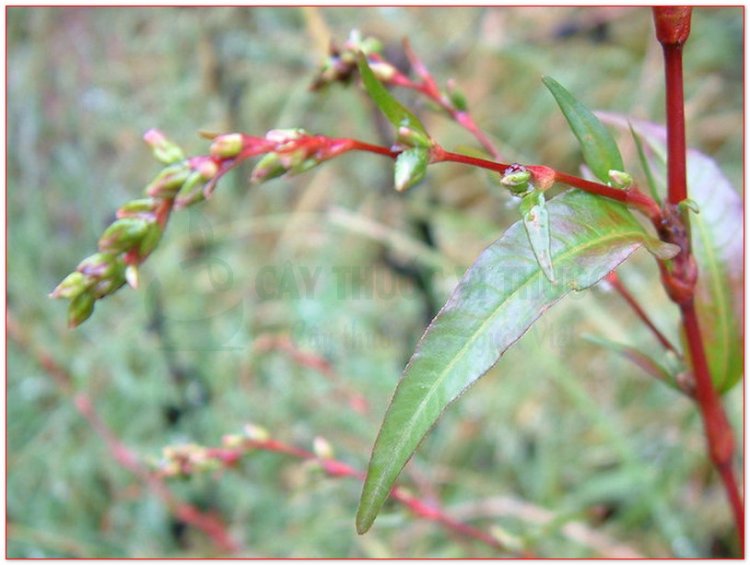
<point>326,259</point>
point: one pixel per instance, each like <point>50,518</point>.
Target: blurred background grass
<point>557,426</point>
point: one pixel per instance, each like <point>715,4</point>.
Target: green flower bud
<point>143,207</point>
<point>227,146</point>
<point>114,281</point>
<point>100,265</point>
<point>123,234</point>
<point>80,309</point>
<point>149,241</point>
<point>457,97</point>
<point>516,178</point>
<point>370,45</point>
<point>411,167</point>
<point>689,204</point>
<point>71,286</point>
<point>164,150</point>
<point>269,167</point>
<point>168,181</point>
<point>412,138</point>
<point>304,166</point>
<point>191,192</point>
<point>620,179</point>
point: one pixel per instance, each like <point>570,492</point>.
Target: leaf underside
<point>717,234</point>
<point>498,299</point>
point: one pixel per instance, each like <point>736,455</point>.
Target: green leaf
<point>644,362</point>
<point>599,148</point>
<point>498,299</point>
<point>645,165</point>
<point>718,249</point>
<point>536,222</point>
<point>396,113</point>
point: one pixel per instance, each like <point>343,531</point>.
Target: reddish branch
<point>617,284</point>
<point>229,456</point>
<point>672,31</point>
<point>209,523</point>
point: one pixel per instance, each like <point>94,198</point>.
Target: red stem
<point>672,31</point>
<point>676,147</point>
<point>615,281</point>
<point>715,423</point>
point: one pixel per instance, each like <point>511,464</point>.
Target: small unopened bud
<point>141,208</point>
<point>382,70</point>
<point>284,135</point>
<point>370,45</point>
<point>71,286</point>
<point>80,309</point>
<point>114,280</point>
<point>267,168</point>
<point>457,98</point>
<point>232,441</point>
<point>149,241</point>
<point>413,138</point>
<point>99,265</point>
<point>620,179</point>
<point>322,448</point>
<point>164,150</point>
<point>227,146</point>
<point>516,178</point>
<point>207,169</point>
<point>255,433</point>
<point>168,181</point>
<point>123,234</point>
<point>132,277</point>
<point>191,192</point>
<point>411,167</point>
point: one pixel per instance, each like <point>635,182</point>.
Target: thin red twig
<point>210,524</point>
<point>618,285</point>
<point>229,456</point>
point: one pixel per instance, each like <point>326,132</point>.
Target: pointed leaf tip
<point>599,149</point>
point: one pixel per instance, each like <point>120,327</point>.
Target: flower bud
<point>114,280</point>
<point>382,70</point>
<point>256,433</point>
<point>99,265</point>
<point>411,167</point>
<point>149,241</point>
<point>269,167</point>
<point>322,448</point>
<point>168,181</point>
<point>232,441</point>
<point>141,208</point>
<point>164,150</point>
<point>620,179</point>
<point>71,286</point>
<point>80,309</point>
<point>516,178</point>
<point>122,235</point>
<point>191,192</point>
<point>227,146</point>
<point>457,98</point>
<point>284,135</point>
<point>132,276</point>
<point>689,204</point>
<point>412,138</point>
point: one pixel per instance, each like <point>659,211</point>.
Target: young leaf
<point>498,299</point>
<point>397,114</point>
<point>536,222</point>
<point>597,145</point>
<point>645,165</point>
<point>718,249</point>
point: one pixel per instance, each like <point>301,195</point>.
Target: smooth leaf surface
<point>396,113</point>
<point>536,222</point>
<point>498,299</point>
<point>597,145</point>
<point>717,235</point>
